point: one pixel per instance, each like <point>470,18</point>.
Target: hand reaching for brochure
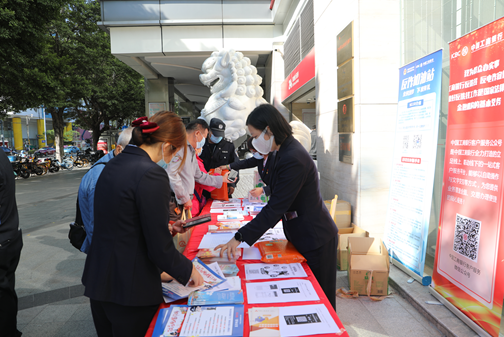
<point>196,278</point>
<point>231,249</point>
<point>256,192</point>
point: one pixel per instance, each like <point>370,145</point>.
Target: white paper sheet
<point>268,271</point>
<point>202,321</point>
<point>273,234</point>
<point>224,285</point>
<point>252,253</point>
<point>306,320</point>
<point>281,291</point>
<point>226,210</point>
<point>212,240</point>
<point>234,282</point>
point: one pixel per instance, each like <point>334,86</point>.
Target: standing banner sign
<point>414,162</point>
<point>468,267</point>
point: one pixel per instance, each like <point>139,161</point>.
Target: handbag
<point>181,240</point>
<point>77,233</point>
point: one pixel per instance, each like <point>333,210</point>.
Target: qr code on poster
<point>417,141</point>
<point>467,237</point>
<point>405,142</point>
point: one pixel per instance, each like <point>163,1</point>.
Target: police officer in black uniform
<point>218,151</point>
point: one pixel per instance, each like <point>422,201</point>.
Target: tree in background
<point>74,73</point>
<point>112,91</point>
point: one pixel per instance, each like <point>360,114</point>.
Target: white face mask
<point>262,145</point>
<point>257,155</point>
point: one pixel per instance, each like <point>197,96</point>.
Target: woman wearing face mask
<point>295,198</point>
<point>263,162</point>
<point>132,243</point>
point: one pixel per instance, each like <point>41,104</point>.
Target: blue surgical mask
<point>162,163</point>
<point>214,139</point>
<point>257,155</point>
<point>199,145</point>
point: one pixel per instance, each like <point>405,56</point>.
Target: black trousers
<point>322,262</point>
<point>10,252</point>
<point>111,319</point>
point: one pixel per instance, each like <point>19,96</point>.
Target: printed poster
<point>468,264</point>
<point>414,161</point>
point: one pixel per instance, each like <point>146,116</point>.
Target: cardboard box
<point>366,255</point>
<point>343,216</point>
<point>343,235</point>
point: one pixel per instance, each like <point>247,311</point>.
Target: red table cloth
<point>192,249</point>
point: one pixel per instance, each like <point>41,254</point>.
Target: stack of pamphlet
<point>231,226</point>
<point>183,320</point>
<point>173,291</point>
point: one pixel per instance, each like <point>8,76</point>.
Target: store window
<point>427,26</point>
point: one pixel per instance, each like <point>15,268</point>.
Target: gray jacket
<point>182,182</point>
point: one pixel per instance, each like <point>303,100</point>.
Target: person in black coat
<point>132,243</point>
<point>295,198</point>
<point>11,242</point>
<point>218,151</point>
<point>259,160</point>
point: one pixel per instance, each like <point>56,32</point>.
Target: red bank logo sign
<point>302,74</point>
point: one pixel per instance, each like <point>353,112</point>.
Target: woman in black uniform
<point>295,198</point>
<point>132,243</point>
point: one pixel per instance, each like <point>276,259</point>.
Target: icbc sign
<point>302,74</point>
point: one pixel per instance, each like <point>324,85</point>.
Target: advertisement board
<point>468,267</point>
<point>414,162</point>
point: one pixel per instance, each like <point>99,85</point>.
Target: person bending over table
<point>263,161</point>
<point>295,198</point>
<point>132,243</point>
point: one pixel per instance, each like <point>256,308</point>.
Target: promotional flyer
<point>414,161</point>
<point>468,264</point>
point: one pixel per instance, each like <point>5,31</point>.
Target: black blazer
<point>131,239</point>
<point>9,218</point>
<point>294,187</point>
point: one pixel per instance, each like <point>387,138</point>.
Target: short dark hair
<point>197,124</point>
<point>267,115</point>
<point>249,144</point>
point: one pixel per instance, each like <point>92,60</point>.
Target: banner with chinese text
<point>468,267</point>
<point>414,161</point>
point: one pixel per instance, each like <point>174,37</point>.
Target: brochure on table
<point>267,271</point>
<point>306,320</point>
<point>216,321</point>
<point>176,291</point>
<point>281,291</point>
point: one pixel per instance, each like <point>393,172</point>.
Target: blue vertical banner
<point>414,161</point>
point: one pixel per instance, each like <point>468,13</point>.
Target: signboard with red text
<point>302,74</point>
<point>468,267</point>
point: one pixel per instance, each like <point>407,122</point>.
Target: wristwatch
<point>238,237</point>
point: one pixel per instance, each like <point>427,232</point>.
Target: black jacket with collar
<point>9,218</point>
<point>215,155</point>
<point>294,187</point>
<point>131,239</point>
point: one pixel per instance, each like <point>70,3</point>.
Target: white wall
<point>364,184</point>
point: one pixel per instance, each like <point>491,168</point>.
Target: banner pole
<point>425,280</point>
<point>469,322</point>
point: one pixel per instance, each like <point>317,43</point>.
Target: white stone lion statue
<point>235,88</point>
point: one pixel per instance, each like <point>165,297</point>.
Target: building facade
<point>317,57</point>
